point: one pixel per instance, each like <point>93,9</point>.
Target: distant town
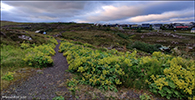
<point>177,26</point>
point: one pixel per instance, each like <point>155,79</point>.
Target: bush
<point>40,56</point>
<point>96,67</point>
<point>25,45</point>
<point>139,30</point>
<point>149,48</point>
<point>122,35</point>
<point>177,79</point>
<point>163,74</point>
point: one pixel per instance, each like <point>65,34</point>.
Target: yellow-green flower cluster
<point>52,40</point>
<point>145,60</point>
<point>46,49</point>
<point>97,68</point>
<point>160,82</point>
<point>184,78</point>
<point>25,45</point>
<point>40,56</point>
<point>180,71</point>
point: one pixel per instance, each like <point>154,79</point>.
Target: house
<point>193,30</point>
<point>145,26</point>
<point>192,23</point>
<point>157,26</point>
<point>123,25</point>
<point>168,26</point>
<point>112,25</point>
<point>177,24</point>
<point>135,26</point>
<point>180,26</point>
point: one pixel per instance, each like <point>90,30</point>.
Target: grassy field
<point>105,45</point>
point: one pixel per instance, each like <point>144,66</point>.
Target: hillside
<point>109,62</point>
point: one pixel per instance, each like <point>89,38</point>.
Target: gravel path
<point>49,82</point>
<point>45,84</point>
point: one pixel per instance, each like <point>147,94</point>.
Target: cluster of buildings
<point>181,26</point>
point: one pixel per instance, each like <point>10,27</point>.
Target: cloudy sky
<point>98,11</point>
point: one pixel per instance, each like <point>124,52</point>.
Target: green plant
<point>72,85</point>
<point>25,45</point>
<point>40,56</point>
<point>111,68</point>
<point>176,80</point>
<point>122,35</point>
<point>8,76</point>
<point>58,98</point>
<point>139,30</point>
<point>149,48</point>
<point>145,97</point>
<point>102,65</point>
<point>11,57</point>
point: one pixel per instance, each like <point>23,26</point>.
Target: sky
<point>126,12</point>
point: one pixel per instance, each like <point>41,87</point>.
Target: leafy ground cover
<point>169,76</point>
<point>19,54</point>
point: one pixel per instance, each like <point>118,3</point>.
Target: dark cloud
<point>93,11</point>
<point>168,6</point>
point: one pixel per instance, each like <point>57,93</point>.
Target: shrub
<point>38,59</point>
<point>96,67</point>
<point>122,35</point>
<point>25,45</point>
<point>149,48</point>
<point>176,80</point>
<point>163,74</point>
<point>40,56</point>
<point>139,30</point>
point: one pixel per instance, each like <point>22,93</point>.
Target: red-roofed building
<point>181,26</point>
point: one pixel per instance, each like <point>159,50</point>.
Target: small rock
<point>39,71</point>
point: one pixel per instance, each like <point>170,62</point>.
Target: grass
<point>96,37</point>
<point>12,54</point>
<point>11,61</point>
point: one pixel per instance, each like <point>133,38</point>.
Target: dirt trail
<point>49,82</point>
<point>45,83</point>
